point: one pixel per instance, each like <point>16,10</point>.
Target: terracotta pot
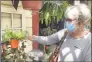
<point>29,4</point>
<point>14,43</point>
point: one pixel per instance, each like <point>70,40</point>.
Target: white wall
<point>6,7</point>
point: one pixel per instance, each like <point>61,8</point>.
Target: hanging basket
<point>14,43</point>
<point>29,4</point>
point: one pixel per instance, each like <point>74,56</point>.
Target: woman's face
<point>73,25</point>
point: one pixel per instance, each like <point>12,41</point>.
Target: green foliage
<point>7,35</point>
<point>52,8</point>
<point>20,35</point>
<point>14,54</point>
<point>10,34</point>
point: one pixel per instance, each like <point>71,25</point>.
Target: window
<point>17,21</point>
<point>10,20</point>
<point>5,20</point>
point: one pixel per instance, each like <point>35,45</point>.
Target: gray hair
<point>81,12</point>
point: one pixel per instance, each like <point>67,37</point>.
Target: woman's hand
<point>29,37</point>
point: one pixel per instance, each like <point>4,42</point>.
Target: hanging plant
<point>49,9</point>
<point>52,9</point>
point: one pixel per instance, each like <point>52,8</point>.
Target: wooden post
<point>35,26</point>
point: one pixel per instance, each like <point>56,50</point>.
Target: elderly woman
<point>77,44</point>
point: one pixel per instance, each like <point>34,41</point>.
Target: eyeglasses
<point>69,20</point>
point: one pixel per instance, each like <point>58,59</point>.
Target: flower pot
<point>14,43</point>
<point>29,4</point>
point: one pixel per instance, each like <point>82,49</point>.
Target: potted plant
<point>48,9</point>
<point>14,37</point>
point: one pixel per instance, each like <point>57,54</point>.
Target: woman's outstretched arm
<point>48,40</point>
